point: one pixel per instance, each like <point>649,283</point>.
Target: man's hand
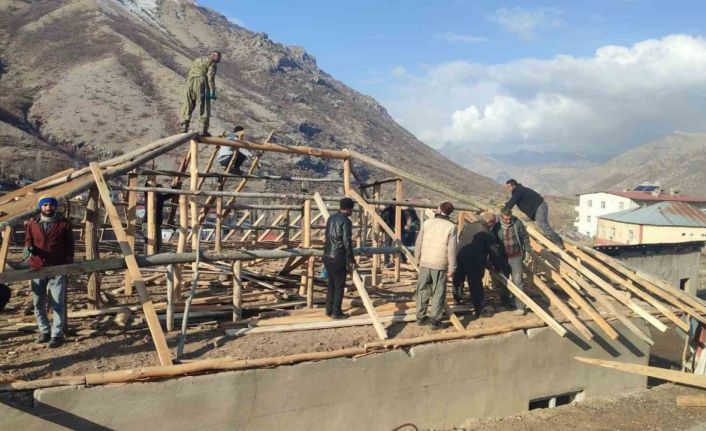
<point>27,252</point>
<point>527,259</point>
<point>212,95</point>
<point>351,267</point>
<point>500,206</point>
<point>451,275</point>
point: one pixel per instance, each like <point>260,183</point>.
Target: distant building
<point>594,205</point>
<point>659,223</point>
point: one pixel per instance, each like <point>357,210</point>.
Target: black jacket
<point>518,230</point>
<point>388,216</point>
<point>526,199</point>
<point>339,243</point>
<point>477,246</point>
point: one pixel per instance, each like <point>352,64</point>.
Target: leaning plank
<point>563,308</point>
<point>659,373</point>
<point>522,296</point>
<point>357,281</point>
<point>160,342</point>
<point>6,236</point>
<point>620,296</point>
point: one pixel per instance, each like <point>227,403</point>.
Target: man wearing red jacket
<point>49,242</point>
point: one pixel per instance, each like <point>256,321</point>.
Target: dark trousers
<point>474,277</point>
<point>337,272</point>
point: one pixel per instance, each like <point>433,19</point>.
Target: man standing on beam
<point>49,242</point>
<point>338,256</point>
<point>200,89</point>
<point>534,206</point>
<point>435,251</point>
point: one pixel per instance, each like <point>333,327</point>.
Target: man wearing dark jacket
<point>338,256</point>
<point>48,242</point>
<point>534,207</point>
<point>389,216</point>
<point>514,243</point>
<point>477,249</point>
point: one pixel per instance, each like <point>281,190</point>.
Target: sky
<point>594,77</point>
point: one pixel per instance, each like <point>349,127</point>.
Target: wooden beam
<point>690,379</point>
<point>276,148</point>
<point>93,285</point>
<point>151,210</point>
<point>306,242</point>
<point>147,306</point>
<point>131,215</point>
<point>237,291</point>
<point>563,308</point>
<point>398,224</point>
<point>375,264</point>
<point>691,400</point>
<point>6,232</point>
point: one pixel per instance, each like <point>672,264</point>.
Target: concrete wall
<point>593,205</point>
<point>431,386</point>
<point>613,232</point>
<point>671,267</point>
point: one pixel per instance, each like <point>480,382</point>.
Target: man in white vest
<point>435,252</point>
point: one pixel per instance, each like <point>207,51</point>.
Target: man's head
<point>47,205</point>
<point>346,206</point>
<point>237,129</point>
<point>215,56</point>
<point>446,208</point>
<point>506,215</point>
<point>510,185</point>
<point>488,218</point>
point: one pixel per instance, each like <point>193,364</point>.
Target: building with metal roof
<point>662,222</point>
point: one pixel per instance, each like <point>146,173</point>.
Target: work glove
<point>27,252</point>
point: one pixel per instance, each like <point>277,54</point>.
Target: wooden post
<point>151,209</point>
<point>131,223</point>
<point>170,297</point>
<point>237,291</point>
<point>219,220</point>
<point>375,265</point>
<point>346,175</point>
<point>160,342</point>
<point>193,186</point>
<point>306,243</point>
<point>5,247</point>
<point>286,228</point>
<point>181,244</point>
<point>398,225</point>
<point>91,240</point>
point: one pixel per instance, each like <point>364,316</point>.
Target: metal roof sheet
<point>648,196</point>
<point>661,214</point>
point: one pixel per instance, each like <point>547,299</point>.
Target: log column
<point>91,239</point>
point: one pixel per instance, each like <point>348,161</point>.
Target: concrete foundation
<point>430,386</point>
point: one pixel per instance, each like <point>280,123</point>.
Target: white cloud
<point>452,37</point>
<point>525,23</point>
<point>399,72</point>
<point>618,98</point>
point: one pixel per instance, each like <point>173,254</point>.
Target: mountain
<point>90,79</point>
<point>676,160</point>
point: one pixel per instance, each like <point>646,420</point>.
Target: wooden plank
<point>181,244</point>
<point>375,266</point>
<point>237,291</point>
<point>539,311</point>
<point>306,243</point>
<point>357,281</point>
<point>160,342</point>
<point>151,210</point>
<point>690,379</point>
<point>620,296</point>
<point>398,225</point>
<point>691,400</point>
<point>563,308</point>
<point>93,285</point>
<point>171,300</point>
<point>131,225</point>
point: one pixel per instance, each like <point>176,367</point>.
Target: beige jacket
<point>436,244</point>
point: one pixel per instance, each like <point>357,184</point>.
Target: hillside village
<point>212,232</point>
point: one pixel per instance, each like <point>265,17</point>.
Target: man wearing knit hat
<point>338,256</point>
<point>49,242</point>
<point>435,252</point>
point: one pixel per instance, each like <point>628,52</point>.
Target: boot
<point>205,134</point>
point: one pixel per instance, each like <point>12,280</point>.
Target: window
<point>612,233</point>
<point>588,219</point>
<point>683,283</point>
<point>621,205</point>
<point>602,204</point>
<point>590,203</point>
<point>556,400</point>
<point>631,235</point>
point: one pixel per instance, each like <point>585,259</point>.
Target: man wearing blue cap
<point>49,242</point>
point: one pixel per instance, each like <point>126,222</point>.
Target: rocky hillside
<point>89,79</point>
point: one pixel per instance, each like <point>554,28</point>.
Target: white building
<point>593,205</point>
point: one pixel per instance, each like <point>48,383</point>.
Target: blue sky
<point>392,49</point>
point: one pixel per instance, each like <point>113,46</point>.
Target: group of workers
<point>500,245</point>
